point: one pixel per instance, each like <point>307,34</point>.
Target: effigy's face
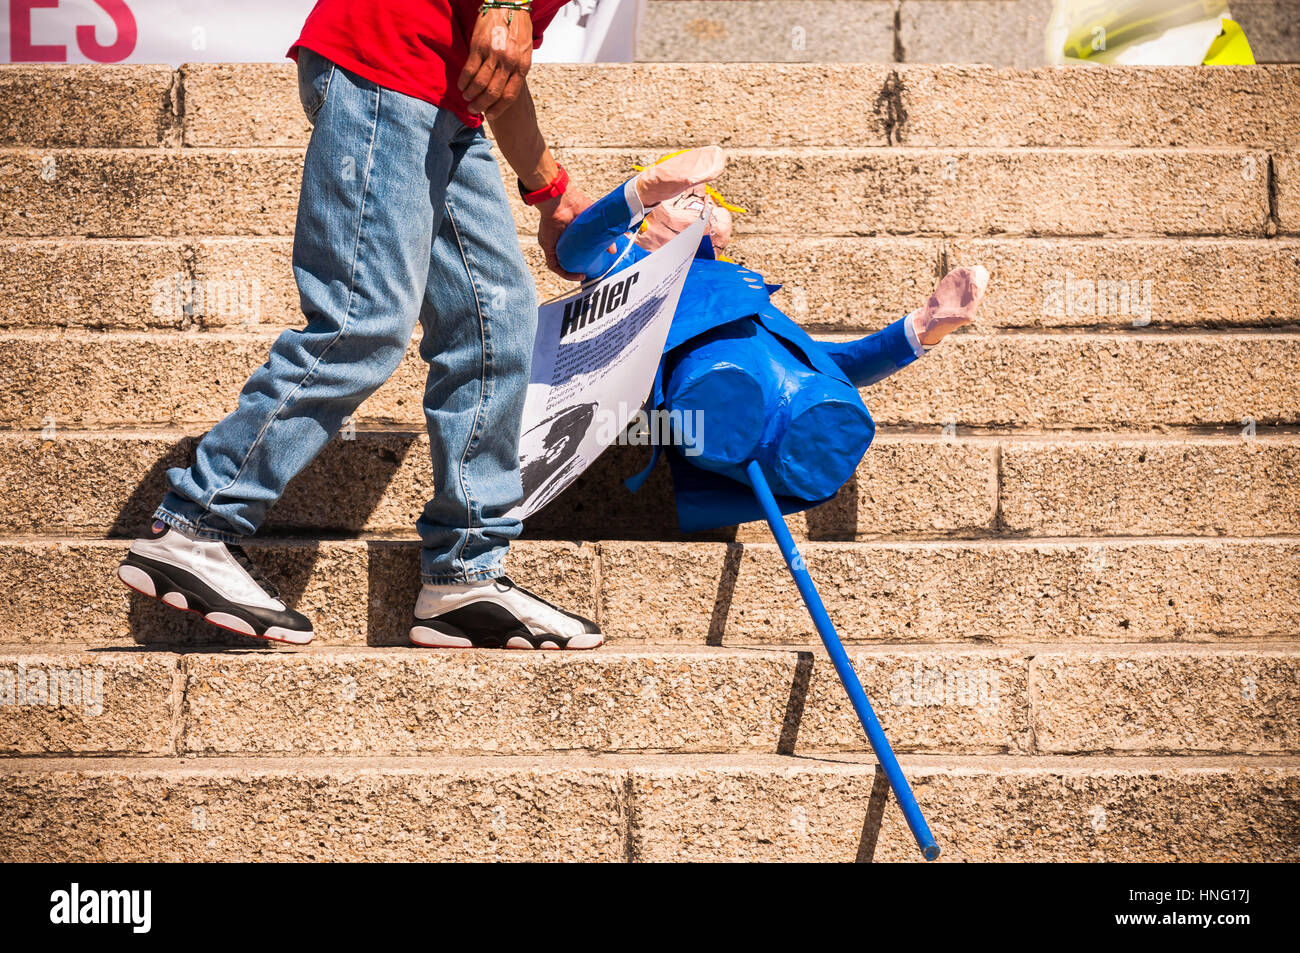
<point>668,219</point>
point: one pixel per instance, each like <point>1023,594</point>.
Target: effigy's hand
<point>954,303</point>
<point>673,193</point>
<point>671,177</point>
<point>500,55</point>
<point>556,215</point>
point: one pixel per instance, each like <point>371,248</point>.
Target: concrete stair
<point>1067,570</point>
<point>940,699</point>
<point>1092,592</point>
<point>895,191</point>
<point>646,808</point>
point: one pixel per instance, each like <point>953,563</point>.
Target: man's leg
<point>372,195</point>
<point>479,318</point>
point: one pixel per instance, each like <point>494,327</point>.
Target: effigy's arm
<point>584,248</point>
<point>876,356</point>
<point>594,242</point>
<point>953,304</point>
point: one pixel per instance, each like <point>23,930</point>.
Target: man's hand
<point>556,216</point>
<point>523,146</point>
<point>500,54</point>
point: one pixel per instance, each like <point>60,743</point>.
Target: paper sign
<point>594,362</point>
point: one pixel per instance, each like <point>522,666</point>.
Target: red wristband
<point>552,190</point>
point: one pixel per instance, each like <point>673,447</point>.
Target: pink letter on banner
<point>119,50</point>
<point>21,49</point>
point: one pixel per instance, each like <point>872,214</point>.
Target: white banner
<point>594,362</point>
<point>151,31</point>
<point>249,31</point>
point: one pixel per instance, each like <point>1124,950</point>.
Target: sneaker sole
<point>438,635</point>
<point>151,584</point>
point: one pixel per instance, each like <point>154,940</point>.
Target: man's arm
<point>521,142</point>
<point>500,55</point>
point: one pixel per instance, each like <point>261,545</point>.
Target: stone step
<point>257,105</point>
<point>647,808</point>
<point>829,284</point>
<point>1076,381</point>
<point>67,482</point>
<point>249,104</point>
<point>1033,699</point>
<point>90,105</point>
<point>361,592</point>
<point>803,191</point>
<point>109,482</point>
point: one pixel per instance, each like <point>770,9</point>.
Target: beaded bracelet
<point>511,5</point>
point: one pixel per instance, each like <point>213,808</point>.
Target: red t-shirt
<point>416,47</point>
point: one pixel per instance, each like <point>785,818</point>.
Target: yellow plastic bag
<point>1149,32</point>
<point>1231,48</point>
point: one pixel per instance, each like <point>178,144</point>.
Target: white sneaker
<point>216,580</point>
<point>497,614</point>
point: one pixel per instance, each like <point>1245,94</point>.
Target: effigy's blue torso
<point>758,385</point>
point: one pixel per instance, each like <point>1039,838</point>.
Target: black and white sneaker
<point>216,580</point>
<point>496,614</point>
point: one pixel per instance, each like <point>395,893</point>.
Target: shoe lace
<point>507,581</point>
<point>250,567</point>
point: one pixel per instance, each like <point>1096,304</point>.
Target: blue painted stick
<point>826,629</point>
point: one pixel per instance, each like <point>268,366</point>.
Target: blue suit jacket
<point>717,293</point>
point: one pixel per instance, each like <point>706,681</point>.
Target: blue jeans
<point>402,214</point>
